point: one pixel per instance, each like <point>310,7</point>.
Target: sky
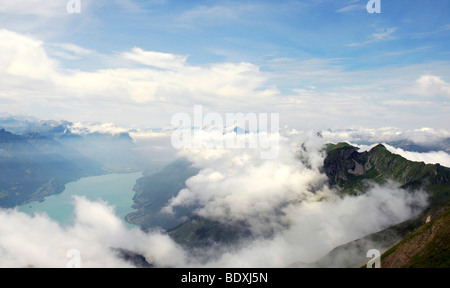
<point>318,63</point>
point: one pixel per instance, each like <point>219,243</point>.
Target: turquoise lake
<point>115,189</point>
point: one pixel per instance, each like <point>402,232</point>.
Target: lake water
<point>115,189</point>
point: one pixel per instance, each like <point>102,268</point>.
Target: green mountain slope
<point>350,170</point>
<point>426,247</point>
<point>423,245</point>
<point>201,232</point>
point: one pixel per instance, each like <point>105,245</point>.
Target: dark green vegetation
<point>423,245</point>
<point>199,232</point>
<point>351,171</point>
<point>427,247</point>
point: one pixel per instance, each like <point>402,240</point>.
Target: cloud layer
<point>145,88</point>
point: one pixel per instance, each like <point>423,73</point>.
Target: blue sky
<point>320,64</point>
<point>209,31</point>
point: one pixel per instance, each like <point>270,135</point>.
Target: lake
<point>115,189</point>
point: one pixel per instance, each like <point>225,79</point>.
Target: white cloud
<point>167,80</point>
<point>351,8</point>
<point>68,51</point>
<point>209,13</point>
<point>213,14</point>
<point>48,8</point>
<point>317,227</point>
<point>433,157</point>
<point>421,136</point>
<point>41,242</point>
<point>155,59</point>
<point>24,56</point>
<point>147,87</point>
<point>86,128</point>
<point>432,86</point>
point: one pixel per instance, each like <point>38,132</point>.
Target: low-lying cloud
<point>41,242</point>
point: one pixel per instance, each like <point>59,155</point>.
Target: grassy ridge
<point>427,247</point>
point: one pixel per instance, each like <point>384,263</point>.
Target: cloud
<point>68,51</point>
<point>41,242</point>
<point>139,87</point>
<point>210,13</point>
<point>214,14</point>
<point>106,128</point>
<point>385,35</point>
<point>433,86</point>
<point>49,8</point>
<point>421,136</point>
<point>433,157</point>
<point>351,8</point>
<point>246,186</point>
<point>155,59</point>
<point>24,56</point>
<point>317,227</point>
<point>288,197</point>
<point>165,79</point>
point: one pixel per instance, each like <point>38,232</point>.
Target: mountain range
<point>33,166</point>
<point>350,173</point>
<point>419,242</point>
<point>37,158</point>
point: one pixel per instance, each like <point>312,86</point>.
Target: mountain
<point>37,158</point>
<point>113,148</point>
<point>202,232</point>
<point>33,166</point>
<point>422,242</point>
<point>419,242</point>
<point>350,173</point>
<point>116,152</point>
<point>426,247</point>
<point>153,192</point>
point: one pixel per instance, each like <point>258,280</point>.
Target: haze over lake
<point>115,189</point>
